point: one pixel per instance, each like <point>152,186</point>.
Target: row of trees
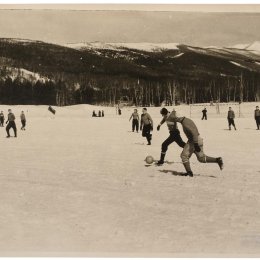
<point>109,90</point>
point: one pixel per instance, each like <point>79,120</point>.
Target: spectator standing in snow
<point>204,114</point>
<point>146,125</point>
<point>2,119</point>
<point>230,118</point>
<point>94,113</point>
<point>257,117</point>
<point>23,120</point>
<point>135,121</point>
<point>11,124</point>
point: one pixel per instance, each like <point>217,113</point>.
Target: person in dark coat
<point>146,125</point>
<point>94,113</point>
<point>23,120</point>
<point>204,114</point>
<point>11,123</point>
<point>257,117</point>
<point>230,118</point>
<point>2,119</point>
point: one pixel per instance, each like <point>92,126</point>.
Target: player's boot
<point>159,163</point>
<point>189,173</point>
<point>220,163</point>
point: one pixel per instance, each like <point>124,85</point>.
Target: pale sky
<point>193,28</point>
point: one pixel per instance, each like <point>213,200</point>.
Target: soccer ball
<point>149,159</point>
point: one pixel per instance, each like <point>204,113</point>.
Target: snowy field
<point>76,185</point>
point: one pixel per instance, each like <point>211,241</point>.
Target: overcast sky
<point>194,28</point>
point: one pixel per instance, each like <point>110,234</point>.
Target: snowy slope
<point>76,185</point>
<point>119,46</point>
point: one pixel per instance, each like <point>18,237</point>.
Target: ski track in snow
<point>73,184</point>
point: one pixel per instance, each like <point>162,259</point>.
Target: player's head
<point>144,110</point>
<point>164,111</point>
<point>230,108</point>
<point>9,110</point>
<point>22,112</point>
<point>257,107</point>
<point>135,110</point>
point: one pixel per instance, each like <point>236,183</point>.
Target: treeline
<point>110,90</point>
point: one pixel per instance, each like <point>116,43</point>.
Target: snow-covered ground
<point>76,185</point>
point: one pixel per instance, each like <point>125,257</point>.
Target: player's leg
<point>185,157</point>
<point>148,134</point>
<point>164,148</point>
<point>8,129</point>
<point>229,123</point>
<point>137,125</point>
<point>203,158</point>
<point>14,128</point>
<point>133,125</point>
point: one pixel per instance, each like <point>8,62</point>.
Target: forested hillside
<point>34,72</point>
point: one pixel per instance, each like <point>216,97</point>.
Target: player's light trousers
<point>189,149</point>
<point>9,126</point>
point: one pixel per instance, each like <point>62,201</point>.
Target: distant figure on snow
<point>135,121</point>
<point>99,113</point>
<point>230,118</point>
<point>146,125</point>
<point>23,120</point>
<point>173,130</point>
<point>103,114</point>
<point>257,117</point>
<point>94,114</point>
<point>11,123</point>
<point>119,111</point>
<point>51,110</point>
<point>2,119</point>
<point>204,114</point>
<point>194,144</point>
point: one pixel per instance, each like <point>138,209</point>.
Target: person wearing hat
<point>194,144</point>
<point>174,133</point>
<point>11,123</point>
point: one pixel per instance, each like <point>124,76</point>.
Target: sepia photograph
<point>130,130</point>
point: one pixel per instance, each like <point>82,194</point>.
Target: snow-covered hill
<point>144,46</point>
